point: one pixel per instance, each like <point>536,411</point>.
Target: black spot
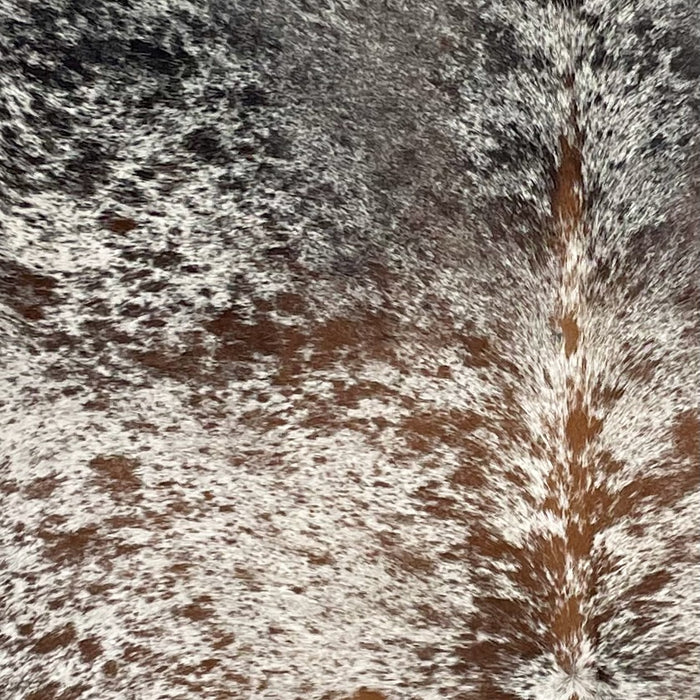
<point>88,169</point>
<point>538,60</point>
<point>157,59</point>
<point>605,266</point>
<point>282,252</point>
<point>128,192</point>
<point>145,173</point>
<point>204,143</point>
<point>48,115</point>
<point>151,99</point>
<point>565,4</point>
<point>253,96</point>
<point>657,143</point>
<point>643,26</point>
<point>599,57</point>
<point>593,21</point>
<point>604,676</point>
<point>167,259</point>
<point>230,183</point>
<point>247,150</point>
<point>514,147</point>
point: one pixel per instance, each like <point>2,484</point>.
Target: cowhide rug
<point>349,349</point>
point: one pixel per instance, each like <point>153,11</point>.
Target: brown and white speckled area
<point>349,349</point>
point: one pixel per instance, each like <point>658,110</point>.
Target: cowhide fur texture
<point>349,349</point>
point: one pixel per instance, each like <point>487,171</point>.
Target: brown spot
<point>566,625</point>
<point>325,559</point>
<point>24,290</point>
<point>90,648</point>
<point>120,521</point>
<point>438,506</point>
<point>689,299</point>
<point>32,313</point>
<point>412,561</point>
<point>46,692</point>
<point>469,475</point>
<point>196,612</point>
<point>180,567</point>
<point>650,584</point>
<point>604,396</point>
<point>642,369</point>
<point>289,303</point>
<point>242,339</point>
<point>446,427</point>
<point>236,678</point>
<point>73,693</point>
<point>118,224</point>
<point>98,588</point>
<point>366,694</point>
<point>659,490</point>
<point>176,363</point>
<point>8,487</point>
<point>99,404</point>
<point>426,653</point>
<point>134,652</point>
<point>42,487</point>
<point>479,351</point>
<point>57,603</point>
<point>55,639</point>
<point>567,199</point>
<point>207,665</point>
<point>337,334</point>
<point>686,433</point>
<point>110,668</point>
<point>116,473</point>
<point>225,640</point>
<point>580,429</point>
<point>570,330</point>
<point>69,546</point>
<point>369,335</point>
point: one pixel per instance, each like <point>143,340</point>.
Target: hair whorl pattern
<point>350,349</point>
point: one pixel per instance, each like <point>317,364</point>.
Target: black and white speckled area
<point>349,349</point>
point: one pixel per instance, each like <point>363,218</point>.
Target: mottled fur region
<point>349,349</point>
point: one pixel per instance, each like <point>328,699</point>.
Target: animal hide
<point>349,349</point>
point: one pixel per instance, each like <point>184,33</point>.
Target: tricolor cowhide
<point>349,349</point>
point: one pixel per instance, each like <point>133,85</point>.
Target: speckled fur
<point>350,349</point>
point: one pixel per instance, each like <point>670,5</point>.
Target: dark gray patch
<point>686,61</point>
<point>502,52</point>
<point>515,147</point>
<point>89,169</point>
